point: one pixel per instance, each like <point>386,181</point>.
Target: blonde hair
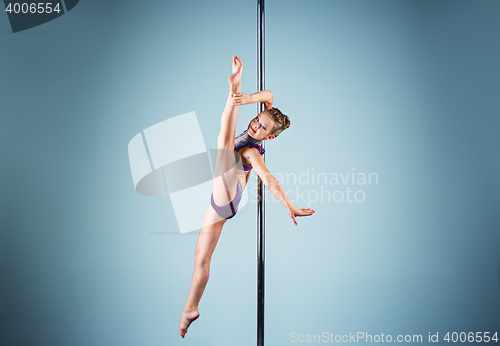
<point>281,121</point>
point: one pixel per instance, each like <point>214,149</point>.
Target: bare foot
<point>188,316</point>
<point>235,79</point>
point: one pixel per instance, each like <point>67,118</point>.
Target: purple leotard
<point>229,210</point>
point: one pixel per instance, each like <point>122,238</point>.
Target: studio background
<point>406,89</point>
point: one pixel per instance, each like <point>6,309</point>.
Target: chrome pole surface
<point>260,185</point>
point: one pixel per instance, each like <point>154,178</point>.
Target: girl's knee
<point>202,260</point>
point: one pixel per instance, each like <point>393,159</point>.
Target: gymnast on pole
<point>236,157</point>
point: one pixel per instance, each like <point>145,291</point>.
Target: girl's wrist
<point>253,98</point>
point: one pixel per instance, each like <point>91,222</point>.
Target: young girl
<point>231,179</point>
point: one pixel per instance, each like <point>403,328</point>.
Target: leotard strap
<point>245,141</point>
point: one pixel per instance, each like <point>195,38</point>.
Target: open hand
<point>294,212</point>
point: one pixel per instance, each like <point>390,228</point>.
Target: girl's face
<point>261,126</point>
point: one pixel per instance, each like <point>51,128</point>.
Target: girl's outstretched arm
<point>274,186</point>
<point>264,96</point>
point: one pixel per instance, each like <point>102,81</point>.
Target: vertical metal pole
<point>260,204</point>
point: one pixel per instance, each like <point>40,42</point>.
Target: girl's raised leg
<point>225,177</point>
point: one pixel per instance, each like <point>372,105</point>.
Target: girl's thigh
<point>225,177</point>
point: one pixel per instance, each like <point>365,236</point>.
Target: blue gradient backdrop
<point>406,89</point>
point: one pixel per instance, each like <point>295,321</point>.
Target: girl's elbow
<point>269,98</point>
